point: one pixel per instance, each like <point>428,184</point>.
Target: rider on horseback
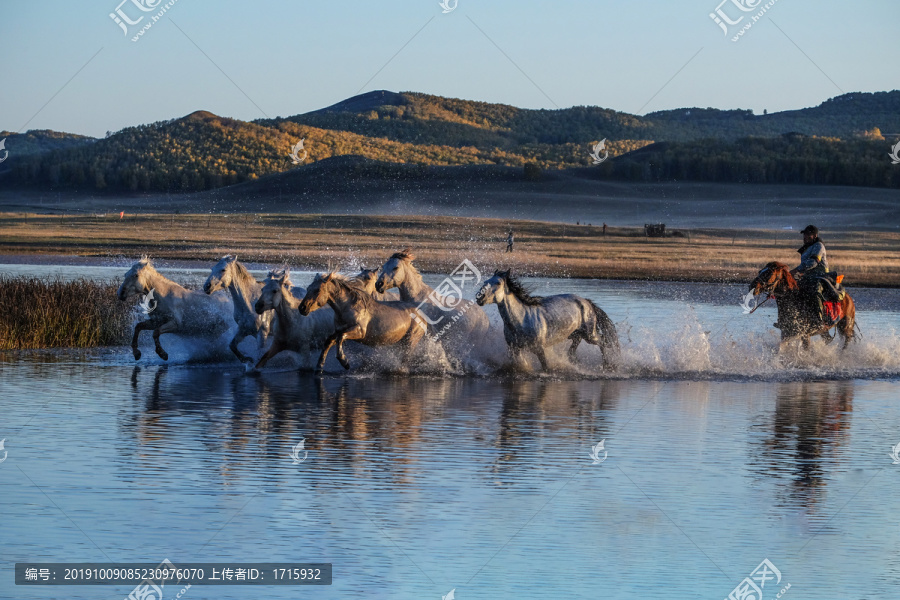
<point>813,269</point>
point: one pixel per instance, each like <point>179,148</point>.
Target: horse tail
<point>608,337</point>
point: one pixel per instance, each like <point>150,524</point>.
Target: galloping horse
<point>245,290</point>
<point>176,309</point>
<point>471,324</point>
<point>361,318</point>
<point>291,330</point>
<point>535,323</point>
<point>797,315</point>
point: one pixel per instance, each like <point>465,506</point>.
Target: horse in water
<point>361,318</point>
<point>170,308</point>
<point>797,313</point>
<point>470,325</point>
<point>245,290</point>
<point>291,329</point>
<point>536,323</point>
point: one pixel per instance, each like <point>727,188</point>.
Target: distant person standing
<point>604,229</point>
<point>509,241</point>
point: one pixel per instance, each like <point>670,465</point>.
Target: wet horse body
<point>245,290</point>
<point>360,318</point>
<point>177,309</point>
<point>471,324</point>
<point>535,323</point>
<point>291,330</point>
<point>797,313</point>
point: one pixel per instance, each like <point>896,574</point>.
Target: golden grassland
<point>56,314</point>
<point>440,243</point>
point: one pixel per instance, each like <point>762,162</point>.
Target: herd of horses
<point>365,309</point>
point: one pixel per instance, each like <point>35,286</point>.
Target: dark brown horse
<point>797,312</point>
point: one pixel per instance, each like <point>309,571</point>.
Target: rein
<point>769,297</point>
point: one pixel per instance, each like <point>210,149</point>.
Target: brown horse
<point>361,318</point>
<point>797,313</point>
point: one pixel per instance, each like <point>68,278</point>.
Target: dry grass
<point>550,249</point>
<point>60,314</point>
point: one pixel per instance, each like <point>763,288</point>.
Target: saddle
<point>831,286</point>
<point>832,293</point>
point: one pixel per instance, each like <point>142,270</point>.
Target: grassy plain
<point>440,243</point>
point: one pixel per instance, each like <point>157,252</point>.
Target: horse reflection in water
<point>811,421</point>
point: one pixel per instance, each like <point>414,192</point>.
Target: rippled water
<point>718,456</point>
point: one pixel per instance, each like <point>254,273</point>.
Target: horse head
<point>394,271</point>
<point>772,279</point>
<point>317,294</point>
<point>221,275</point>
<point>494,289</point>
<point>277,285</point>
<point>136,279</point>
<point>367,280</point>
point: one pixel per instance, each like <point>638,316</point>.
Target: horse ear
<point>507,274</point>
<point>234,258</point>
<point>328,277</point>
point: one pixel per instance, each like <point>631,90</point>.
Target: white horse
<point>471,324</point>
<point>292,331</point>
<point>170,307</point>
<point>245,290</point>
<point>535,323</point>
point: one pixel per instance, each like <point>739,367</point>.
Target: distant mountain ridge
<point>204,151</point>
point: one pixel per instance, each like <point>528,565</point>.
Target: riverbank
<point>318,242</point>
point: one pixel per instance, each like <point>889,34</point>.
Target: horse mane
<point>278,274</point>
<point>242,272</point>
<point>520,291</point>
<point>405,254</point>
<point>786,274</point>
<point>356,294</point>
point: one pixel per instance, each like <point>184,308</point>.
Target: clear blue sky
<point>292,57</point>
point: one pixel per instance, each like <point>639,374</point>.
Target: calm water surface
<point>718,455</point>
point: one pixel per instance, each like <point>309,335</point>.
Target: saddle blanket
<point>833,312</point>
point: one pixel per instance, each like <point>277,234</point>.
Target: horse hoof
<point>345,364</point>
<point>163,354</point>
<point>137,354</point>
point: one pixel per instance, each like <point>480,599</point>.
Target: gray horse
<point>534,323</point>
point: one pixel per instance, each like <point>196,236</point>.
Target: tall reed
<point>54,313</point>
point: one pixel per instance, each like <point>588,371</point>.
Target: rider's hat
<point>811,229</point>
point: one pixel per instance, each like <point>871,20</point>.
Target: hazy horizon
<point>269,59</point>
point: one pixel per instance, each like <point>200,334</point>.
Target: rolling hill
<point>837,143</point>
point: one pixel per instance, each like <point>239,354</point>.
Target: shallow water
<point>718,455</point>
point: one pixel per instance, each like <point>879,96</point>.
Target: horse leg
<point>847,324</point>
<point>167,327</point>
<point>142,326</point>
<point>234,348</point>
<point>541,353</point>
<point>575,341</point>
<point>354,334</point>
<point>328,344</point>
<point>277,346</point>
<point>412,338</point>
